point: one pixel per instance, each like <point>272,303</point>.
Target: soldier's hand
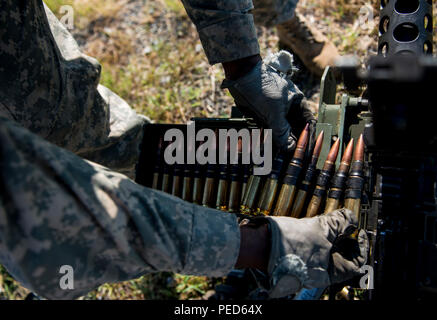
<point>310,252</point>
<point>267,94</point>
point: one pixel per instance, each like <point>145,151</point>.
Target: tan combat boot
<point>313,48</point>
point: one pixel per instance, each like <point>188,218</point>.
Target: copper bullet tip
<point>318,145</point>
<point>347,156</point>
<point>359,150</point>
<point>303,139</point>
<point>332,155</point>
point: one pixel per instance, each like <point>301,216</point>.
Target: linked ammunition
<point>323,180</point>
<point>308,180</point>
<point>250,199</point>
<point>339,180</point>
<point>288,189</point>
<point>222,189</point>
<point>355,182</point>
<point>268,194</point>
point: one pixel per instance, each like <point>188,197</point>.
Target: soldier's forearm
<point>57,209</point>
<point>226,28</point>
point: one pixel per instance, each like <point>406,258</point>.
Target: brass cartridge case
<point>155,182</point>
<point>299,203</point>
<point>332,204</point>
<point>234,196</point>
<point>208,199</point>
<point>353,205</point>
<point>285,200</point>
<point>323,180</point>
<point>187,189</point>
<point>198,184</point>
<point>307,182</point>
<point>166,185</point>
<point>245,181</point>
<point>177,181</point>
<point>235,189</point>
<point>268,194</point>
<point>166,178</point>
<point>314,206</point>
<point>288,189</point>
<point>355,182</point>
<point>250,199</point>
<point>222,189</point>
<point>339,180</point>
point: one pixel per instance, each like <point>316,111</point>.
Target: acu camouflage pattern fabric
<point>57,209</point>
<point>52,89</point>
<point>226,27</point>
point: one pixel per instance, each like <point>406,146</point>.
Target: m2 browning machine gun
<point>397,114</point>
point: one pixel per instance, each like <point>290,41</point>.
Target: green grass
<point>9,288</point>
<point>55,5</point>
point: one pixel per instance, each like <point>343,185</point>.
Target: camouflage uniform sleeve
<point>50,87</point>
<point>226,28</point>
<point>57,209</point>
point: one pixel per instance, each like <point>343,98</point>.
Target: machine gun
<point>397,115</point>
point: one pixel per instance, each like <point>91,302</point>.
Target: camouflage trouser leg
<point>57,209</point>
<point>270,13</point>
<point>48,86</point>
